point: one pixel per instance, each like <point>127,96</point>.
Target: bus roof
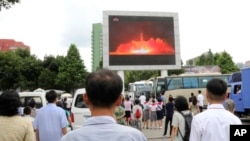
<point>190,74</point>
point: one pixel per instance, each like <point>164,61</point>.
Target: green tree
<point>209,58</point>
<point>30,71</point>
<point>10,66</point>
<point>72,72</point>
<point>23,53</point>
<point>7,3</point>
<point>46,79</point>
<point>201,60</point>
<point>225,62</point>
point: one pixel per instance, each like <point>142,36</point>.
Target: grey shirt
<point>104,128</point>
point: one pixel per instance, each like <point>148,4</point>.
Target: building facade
<point>12,45</point>
<point>96,46</point>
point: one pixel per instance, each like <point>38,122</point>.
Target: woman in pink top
<point>128,108</point>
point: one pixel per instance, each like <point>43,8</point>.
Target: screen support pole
<point>164,72</point>
<point>121,74</point>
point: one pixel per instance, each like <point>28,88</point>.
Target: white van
<point>38,97</point>
<point>79,110</point>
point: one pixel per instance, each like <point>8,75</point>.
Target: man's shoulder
<point>123,132</point>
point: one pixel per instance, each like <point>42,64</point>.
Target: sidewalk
<point>156,133</point>
<point>153,133</point>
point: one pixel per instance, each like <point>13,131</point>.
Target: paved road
<point>156,134</point>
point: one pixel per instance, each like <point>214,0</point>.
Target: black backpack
<point>188,119</point>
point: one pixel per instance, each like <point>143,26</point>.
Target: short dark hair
<point>103,87</point>
<point>32,103</point>
<point>9,103</point>
<point>170,99</point>
<point>181,103</point>
<point>27,110</point>
<point>137,101</point>
<point>217,88</point>
<point>51,96</point>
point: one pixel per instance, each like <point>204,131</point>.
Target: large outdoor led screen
<point>140,39</point>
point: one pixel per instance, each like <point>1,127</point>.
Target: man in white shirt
<point>214,123</point>
<point>200,99</point>
<point>142,98</point>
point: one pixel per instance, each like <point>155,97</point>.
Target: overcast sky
<point>50,26</point>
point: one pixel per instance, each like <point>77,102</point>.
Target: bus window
<point>190,82</point>
<point>225,78</point>
<point>203,81</point>
<point>160,86</point>
<point>174,83</point>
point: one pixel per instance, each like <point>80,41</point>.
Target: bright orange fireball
<point>151,47</point>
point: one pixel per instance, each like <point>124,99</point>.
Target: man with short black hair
<point>214,123</point>
<point>103,94</point>
<point>50,122</point>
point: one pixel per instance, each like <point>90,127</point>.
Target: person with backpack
<point>214,123</point>
<point>137,114</point>
<point>182,119</point>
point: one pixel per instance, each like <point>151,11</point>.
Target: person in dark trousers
<point>169,115</point>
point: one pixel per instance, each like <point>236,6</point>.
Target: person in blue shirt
<point>103,95</point>
<point>50,122</point>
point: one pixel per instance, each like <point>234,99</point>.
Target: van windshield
<point>25,101</point>
<point>79,103</point>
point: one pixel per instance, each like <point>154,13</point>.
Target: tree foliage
<point>72,72</point>
<point>22,71</point>
<point>30,71</point>
<point>9,70</point>
<point>7,3</point>
<point>223,60</point>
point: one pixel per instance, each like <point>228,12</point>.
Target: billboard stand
<point>121,74</point>
<point>164,72</point>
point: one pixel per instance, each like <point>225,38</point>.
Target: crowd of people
<point>151,111</point>
<point>114,116</point>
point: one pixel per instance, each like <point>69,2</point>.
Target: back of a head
<point>27,110</point>
<point>170,99</point>
<point>217,89</point>
<point>159,99</point>
<point>9,103</point>
<point>137,101</point>
<point>181,103</point>
<point>51,96</point>
<point>192,94</point>
<point>32,103</point>
<point>229,105</point>
<point>103,87</point>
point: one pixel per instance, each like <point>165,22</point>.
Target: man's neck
<point>96,111</point>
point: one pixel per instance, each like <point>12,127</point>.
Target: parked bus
<point>136,88</point>
<point>185,84</point>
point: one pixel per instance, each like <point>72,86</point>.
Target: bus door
<point>236,96</point>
